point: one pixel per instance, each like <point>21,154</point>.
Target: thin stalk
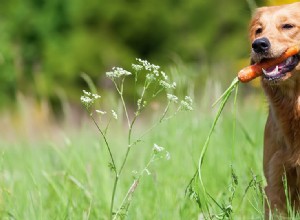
<point>229,89</point>
<point>120,91</point>
<point>234,123</point>
<point>129,144</point>
<point>106,143</point>
<point>130,125</point>
<point>165,112</point>
<point>114,168</point>
<point>113,196</point>
<point>223,99</point>
<point>128,194</point>
<point>154,125</point>
<point>134,186</point>
<point>118,174</point>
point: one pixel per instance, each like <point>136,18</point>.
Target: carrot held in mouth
<point>251,72</point>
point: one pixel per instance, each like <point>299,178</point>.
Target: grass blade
<point>223,99</point>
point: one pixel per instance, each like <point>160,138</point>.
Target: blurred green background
<point>45,46</point>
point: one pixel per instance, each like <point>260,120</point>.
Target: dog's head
<point>273,30</point>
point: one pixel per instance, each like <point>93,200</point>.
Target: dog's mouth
<point>279,71</point>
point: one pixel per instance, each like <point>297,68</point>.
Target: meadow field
<point>147,148</point>
<point>71,178</point>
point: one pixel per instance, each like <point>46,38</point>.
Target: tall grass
<point>190,189</point>
<point>71,181</point>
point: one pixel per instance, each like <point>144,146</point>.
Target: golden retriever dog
<point>273,30</point>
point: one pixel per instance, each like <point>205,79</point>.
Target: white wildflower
<point>114,114</point>
<point>86,101</point>
<point>86,93</point>
<point>168,155</point>
<point>174,85</point>
<point>155,67</point>
<point>117,73</point>
<point>157,148</point>
<point>137,67</point>
<point>150,77</point>
<point>148,66</point>
<point>164,84</point>
<point>145,63</point>
<point>155,72</point>
<point>186,104</point>
<point>139,102</point>
<point>167,85</point>
<point>88,98</point>
<point>172,98</point>
<point>96,96</point>
<point>189,99</point>
<point>164,75</point>
<point>101,112</point>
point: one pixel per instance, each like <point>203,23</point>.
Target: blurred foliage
<point>280,2</point>
<point>46,45</point>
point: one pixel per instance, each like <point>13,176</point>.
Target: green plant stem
<point>118,173</point>
<point>129,148</point>
<point>129,144</point>
<point>120,91</point>
<point>224,97</point>
<point>234,122</point>
<point>113,195</point>
<point>164,113</point>
<point>162,119</point>
<point>114,168</point>
<point>127,196</point>
<point>106,143</point>
<point>130,125</point>
<point>134,186</point>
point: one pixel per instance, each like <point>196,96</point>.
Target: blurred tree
<point>45,45</point>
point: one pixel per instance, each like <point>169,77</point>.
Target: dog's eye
<point>258,31</point>
<point>287,26</point>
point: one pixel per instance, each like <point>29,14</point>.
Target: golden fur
<point>281,26</point>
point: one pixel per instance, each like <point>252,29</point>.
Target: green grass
<point>71,179</point>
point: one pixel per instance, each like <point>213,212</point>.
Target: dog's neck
<point>284,100</point>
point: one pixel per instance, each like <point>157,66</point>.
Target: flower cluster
<point>158,150</point>
<point>154,73</point>
<point>144,64</point>
<point>172,98</point>
<point>114,114</point>
<point>167,85</point>
<point>88,99</point>
<point>137,67</point>
<point>117,72</point>
<point>186,104</point>
<point>101,112</point>
<point>141,103</point>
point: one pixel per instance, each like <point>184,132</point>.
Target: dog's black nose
<point>261,45</point>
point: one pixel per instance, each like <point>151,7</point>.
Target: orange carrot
<point>250,72</point>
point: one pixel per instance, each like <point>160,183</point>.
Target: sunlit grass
<point>71,180</point>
